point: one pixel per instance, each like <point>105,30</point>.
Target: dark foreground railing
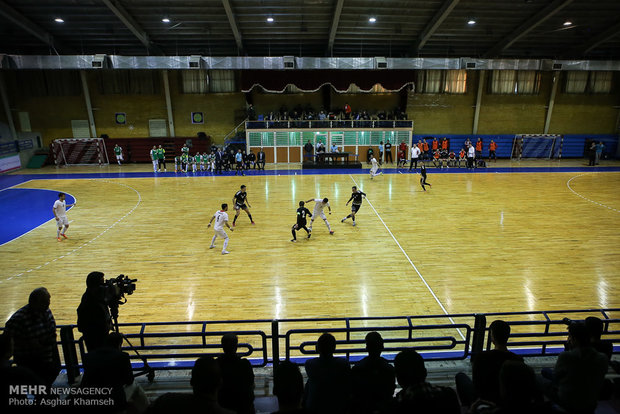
<point>176,345</point>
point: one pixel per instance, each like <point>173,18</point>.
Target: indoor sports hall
<point>460,161</point>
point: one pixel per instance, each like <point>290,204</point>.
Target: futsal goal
<point>79,151</point>
<point>537,146</point>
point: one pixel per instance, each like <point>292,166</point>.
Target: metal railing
<point>328,124</point>
<point>176,345</point>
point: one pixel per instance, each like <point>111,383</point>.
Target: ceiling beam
<point>29,26</point>
<point>123,15</point>
<point>603,37</point>
<point>233,24</point>
<point>334,27</point>
<point>433,24</point>
<point>527,26</point>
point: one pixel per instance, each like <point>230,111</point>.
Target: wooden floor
<point>472,243</point>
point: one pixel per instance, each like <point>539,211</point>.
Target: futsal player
<point>356,197</point>
<point>302,213</point>
<point>423,178</point>
<point>221,220</point>
<point>60,213</point>
<point>239,201</point>
<point>319,204</point>
<point>375,168</point>
<point>118,151</point>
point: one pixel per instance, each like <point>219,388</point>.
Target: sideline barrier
<point>176,345</point>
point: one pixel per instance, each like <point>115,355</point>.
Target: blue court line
<point>7,181</point>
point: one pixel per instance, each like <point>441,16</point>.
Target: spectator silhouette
<point>373,379</point>
<point>288,386</point>
<point>519,392</point>
<point>33,330</point>
<point>206,381</point>
<point>486,366</point>
<point>237,391</point>
<point>94,320</point>
<point>417,395</point>
<point>595,331</point>
<point>579,373</point>
<point>108,366</point>
<point>11,375</point>
<point>329,380</point>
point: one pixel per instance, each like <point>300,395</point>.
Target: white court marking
<point>91,240</point>
<point>410,261</point>
<point>586,198</point>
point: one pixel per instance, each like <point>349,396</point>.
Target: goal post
<point>80,151</point>
<point>546,146</point>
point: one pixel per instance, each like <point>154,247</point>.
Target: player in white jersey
<point>319,204</point>
<point>221,220</point>
<point>374,170</point>
<point>60,213</point>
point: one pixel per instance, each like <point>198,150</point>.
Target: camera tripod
<point>146,370</point>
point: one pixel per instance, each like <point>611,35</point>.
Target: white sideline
<point>91,240</point>
<point>410,262</point>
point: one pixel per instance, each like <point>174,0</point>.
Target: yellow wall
<point>271,102</point>
<point>432,114</point>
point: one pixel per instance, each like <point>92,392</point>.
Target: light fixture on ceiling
<point>165,20</point>
<point>372,19</point>
<point>59,20</point>
<point>567,23</point>
<point>471,22</point>
<point>270,19</point>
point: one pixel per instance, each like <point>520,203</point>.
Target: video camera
<point>116,288</point>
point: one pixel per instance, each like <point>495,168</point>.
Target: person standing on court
<point>260,159</point>
<point>302,213</point>
<point>221,220</point>
<point>154,158</point>
<point>471,156</point>
<point>415,154</point>
<point>161,158</point>
<point>60,214</point>
<point>118,151</point>
<point>388,152</point>
<point>492,149</point>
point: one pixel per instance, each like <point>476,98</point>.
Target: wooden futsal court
<point>473,243</point>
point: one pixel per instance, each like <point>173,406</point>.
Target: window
<point>221,81</point>
<point>194,81</point>
<point>600,82</point>
<point>520,82</point>
<point>129,82</point>
<point>442,81</point>
<point>576,82</point>
<point>456,81</point>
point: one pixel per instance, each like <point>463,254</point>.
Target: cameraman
<point>94,319</point>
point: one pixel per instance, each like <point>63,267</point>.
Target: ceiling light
<point>270,19</point>
<point>372,20</point>
<point>59,20</point>
<point>568,23</point>
<point>471,22</point>
<point>165,20</point>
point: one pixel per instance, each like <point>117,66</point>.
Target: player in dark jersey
<point>423,178</point>
<point>302,213</point>
<point>239,201</point>
<point>356,197</point>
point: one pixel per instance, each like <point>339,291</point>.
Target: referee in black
<point>302,213</point>
<point>356,197</point>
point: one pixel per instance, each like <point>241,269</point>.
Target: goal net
<point>80,151</point>
<point>537,146</point>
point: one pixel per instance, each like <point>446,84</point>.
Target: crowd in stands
<point>308,113</point>
<point>501,382</point>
